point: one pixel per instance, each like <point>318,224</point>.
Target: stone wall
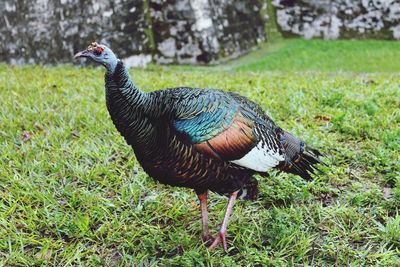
<point>190,31</point>
<point>47,31</point>
<point>179,31</point>
<point>332,19</point>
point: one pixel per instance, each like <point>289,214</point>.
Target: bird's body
<point>204,139</point>
<point>196,138</point>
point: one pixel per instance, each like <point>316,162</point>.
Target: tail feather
<point>300,159</point>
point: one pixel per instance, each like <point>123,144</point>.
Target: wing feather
<point>231,128</point>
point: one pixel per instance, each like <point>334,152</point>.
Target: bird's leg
<point>222,232</point>
<point>204,215</point>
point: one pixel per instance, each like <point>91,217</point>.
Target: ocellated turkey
<point>204,139</point>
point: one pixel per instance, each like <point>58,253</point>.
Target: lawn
<point>320,55</point>
<point>72,193</point>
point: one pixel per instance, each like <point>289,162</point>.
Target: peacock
<point>203,139</point>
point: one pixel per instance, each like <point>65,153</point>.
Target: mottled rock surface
<point>189,31</point>
<point>180,31</point>
<point>49,31</point>
<point>332,19</point>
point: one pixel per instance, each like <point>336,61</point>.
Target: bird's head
<point>100,54</point>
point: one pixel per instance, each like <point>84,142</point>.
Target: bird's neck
<point>120,89</point>
<point>128,106</point>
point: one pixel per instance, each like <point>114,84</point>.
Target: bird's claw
<point>220,238</point>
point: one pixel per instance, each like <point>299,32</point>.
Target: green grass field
<point>320,55</point>
<point>72,193</point>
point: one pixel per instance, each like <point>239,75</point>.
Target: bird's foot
<point>219,239</point>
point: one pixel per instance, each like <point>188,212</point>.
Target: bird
<point>208,140</point>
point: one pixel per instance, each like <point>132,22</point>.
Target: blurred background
<point>181,31</point>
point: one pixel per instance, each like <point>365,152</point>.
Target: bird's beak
<point>84,53</point>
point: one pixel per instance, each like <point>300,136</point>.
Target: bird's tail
<point>300,158</point>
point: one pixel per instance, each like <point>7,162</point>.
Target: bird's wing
<point>230,128</point>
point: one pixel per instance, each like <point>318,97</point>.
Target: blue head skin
<point>100,54</point>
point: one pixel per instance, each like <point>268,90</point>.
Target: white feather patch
<point>260,159</point>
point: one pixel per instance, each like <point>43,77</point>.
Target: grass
<point>72,193</point>
<point>320,55</point>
